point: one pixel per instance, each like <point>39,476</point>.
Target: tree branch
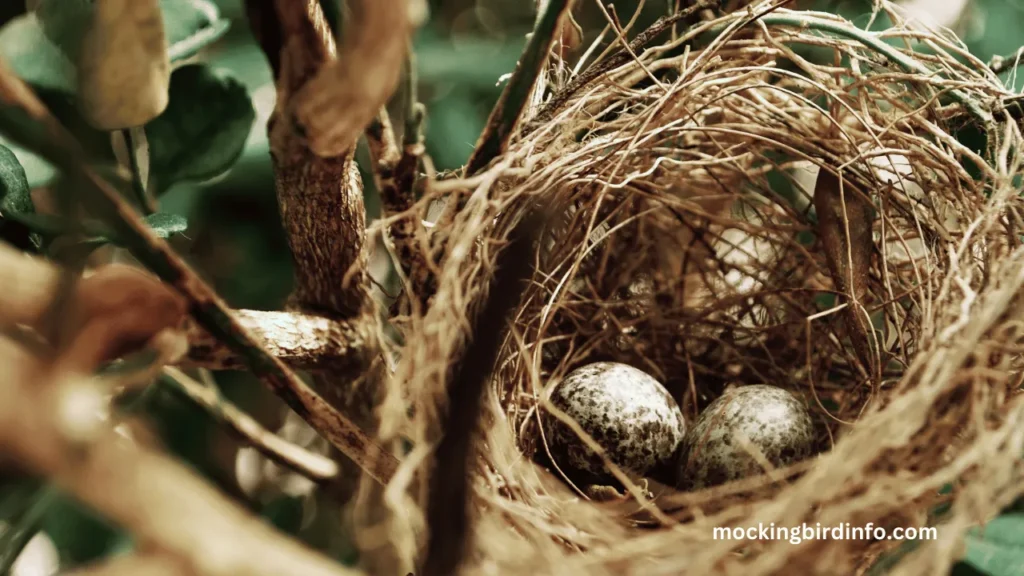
<point>296,458</point>
<point>396,173</point>
<point>303,341</point>
<point>320,197</point>
<point>26,120</point>
<point>323,105</point>
<point>448,508</point>
<point>1000,64</point>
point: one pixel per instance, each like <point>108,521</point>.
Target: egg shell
<point>773,420</point>
<point>625,410</point>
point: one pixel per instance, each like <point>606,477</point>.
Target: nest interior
<point>736,208</point>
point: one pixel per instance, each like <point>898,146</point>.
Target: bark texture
<point>304,341</point>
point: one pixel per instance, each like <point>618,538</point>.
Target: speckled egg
<point>771,419</point>
<point>625,410</point>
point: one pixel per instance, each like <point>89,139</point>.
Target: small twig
<point>396,175</point>
<point>414,110</point>
<point>134,138</point>
<point>506,113</point>
<point>620,57</point>
<point>1000,64</point>
<point>296,458</point>
<point>381,142</point>
<point>448,505</point>
<point>32,125</point>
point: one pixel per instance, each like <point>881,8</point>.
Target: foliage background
<point>234,239</point>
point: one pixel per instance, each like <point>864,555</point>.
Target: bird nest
<point>772,197</point>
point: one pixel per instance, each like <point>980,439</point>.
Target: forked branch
<point>26,120</point>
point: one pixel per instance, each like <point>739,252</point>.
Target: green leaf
<point>164,225</point>
<point>41,46</point>
<point>16,203</point>
<point>203,130</point>
<point>997,549</point>
<point>17,195</point>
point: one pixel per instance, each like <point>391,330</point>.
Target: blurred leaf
<point>997,549</point>
<point>285,513</point>
<point>40,46</point>
<point>190,25</point>
<point>95,142</point>
<point>197,142</point>
<point>1000,30</point>
<point>475,63</point>
<point>64,22</point>
<point>24,526</point>
<point>33,57</point>
<point>80,535</point>
<point>453,125</point>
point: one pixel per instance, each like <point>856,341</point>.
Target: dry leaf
<point>844,226</point>
<point>124,72</point>
<point>335,106</point>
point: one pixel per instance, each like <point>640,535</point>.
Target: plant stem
<point>414,112</point>
<point>133,139</point>
<point>395,176</point>
<point>507,111</point>
<point>296,458</point>
<point>1000,64</point>
<point>448,508</point>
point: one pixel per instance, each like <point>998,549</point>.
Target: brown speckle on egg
<point>771,419</point>
<point>625,410</point>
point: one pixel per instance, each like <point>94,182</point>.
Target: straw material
<point>688,245</point>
